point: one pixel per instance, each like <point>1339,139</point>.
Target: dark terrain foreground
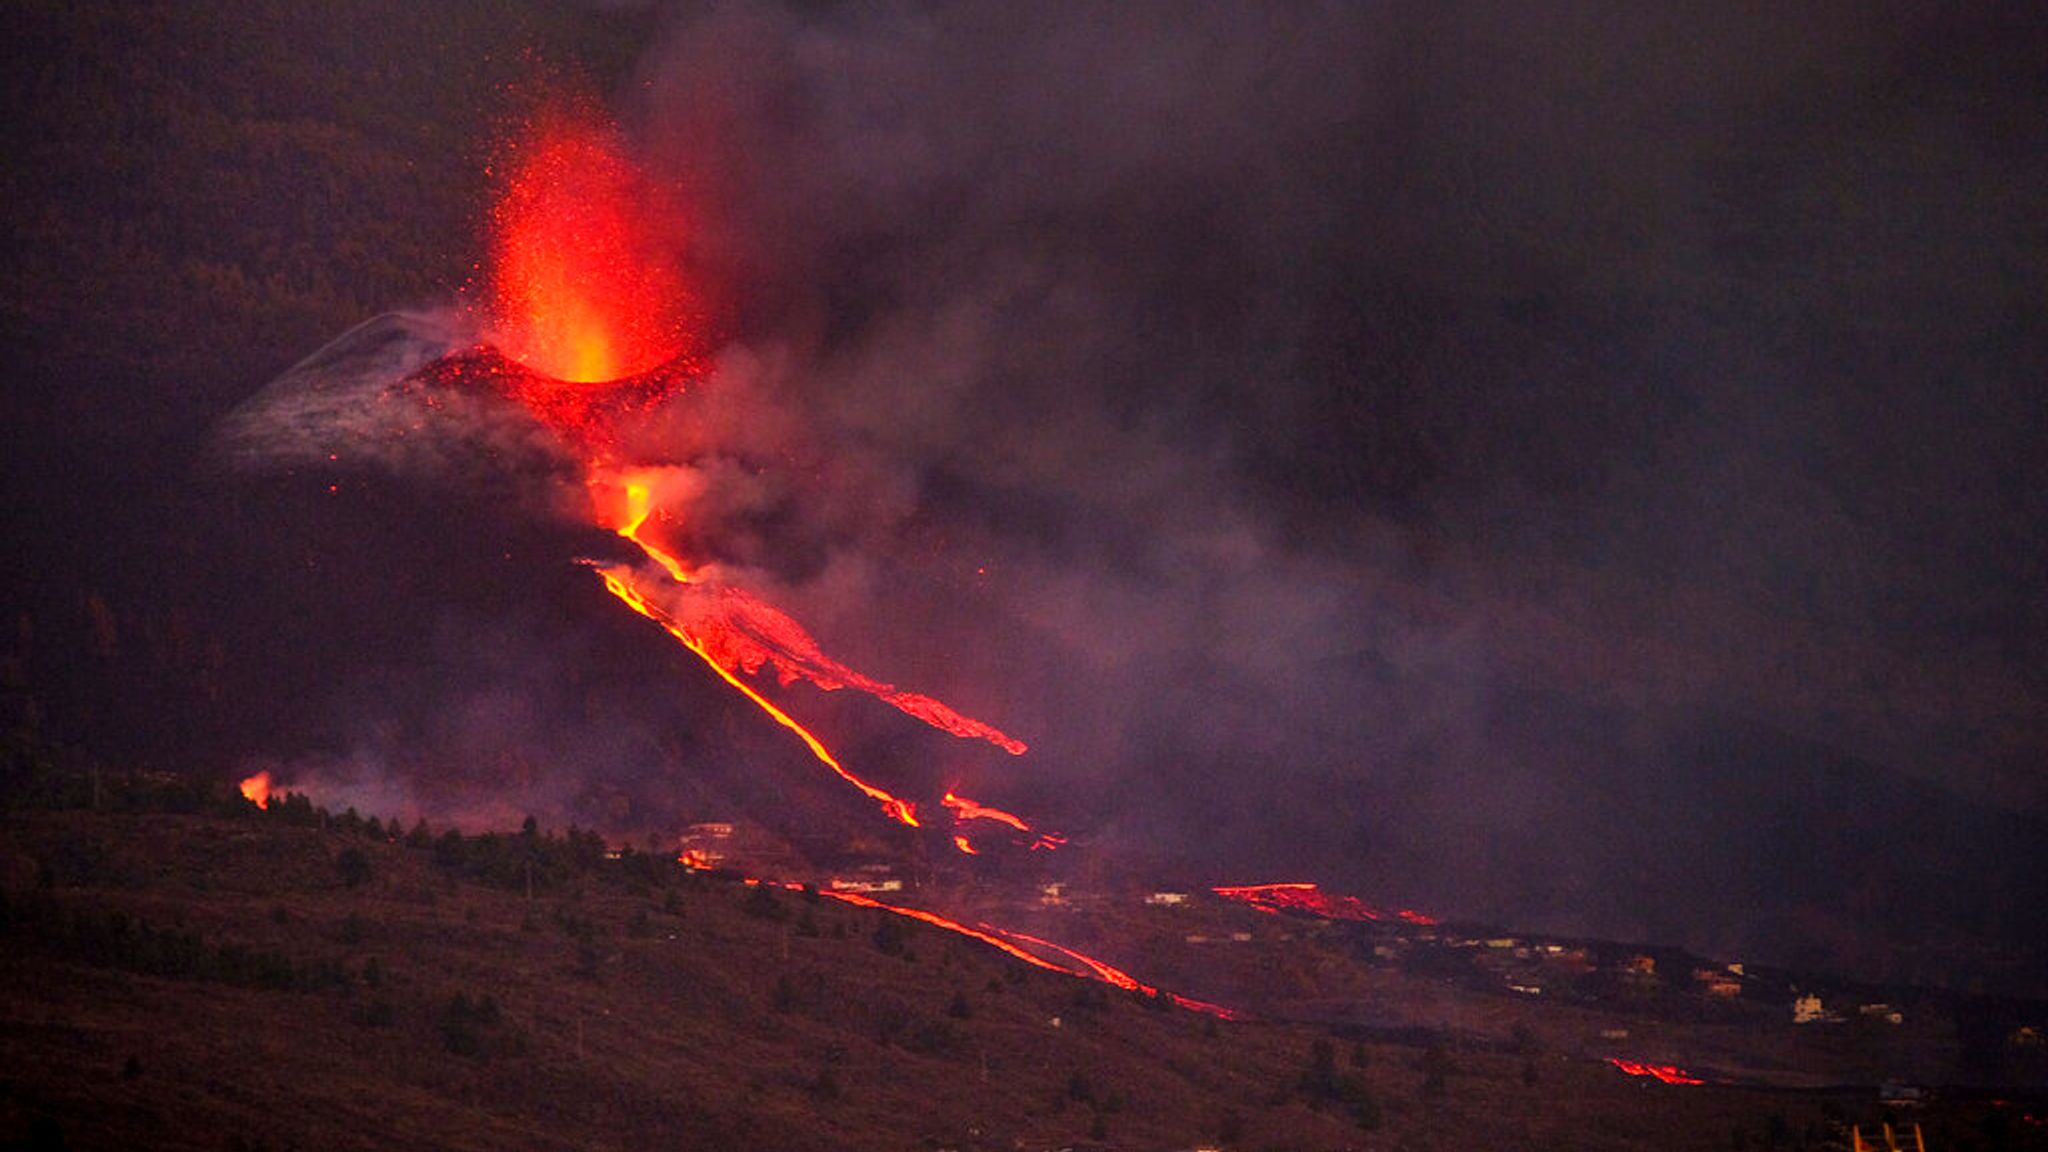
<point>225,978</point>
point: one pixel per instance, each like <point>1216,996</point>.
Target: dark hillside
<point>236,980</point>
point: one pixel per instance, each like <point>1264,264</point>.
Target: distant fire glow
<point>1312,900</point>
<point>256,789</point>
<point>1668,1073</point>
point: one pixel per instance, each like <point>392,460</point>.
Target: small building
<point>1807,1009</point>
<point>1899,1094</point>
<point>1717,983</point>
<point>1167,899</point>
<point>862,884</point>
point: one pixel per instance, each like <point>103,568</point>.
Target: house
<point>1717,983</point>
<point>1167,899</point>
<point>853,884</point>
<point>1808,1010</point>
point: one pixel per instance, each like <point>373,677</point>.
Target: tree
<point>889,936</point>
<point>761,904</point>
<point>1436,1070</point>
<point>354,867</point>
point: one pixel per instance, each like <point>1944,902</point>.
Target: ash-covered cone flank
<point>333,400</point>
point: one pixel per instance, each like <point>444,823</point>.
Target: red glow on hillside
<point>1668,1073</point>
<point>579,289</point>
<point>1312,900</point>
<point>256,789</point>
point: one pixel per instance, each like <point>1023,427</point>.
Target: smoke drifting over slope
<point>1395,442</point>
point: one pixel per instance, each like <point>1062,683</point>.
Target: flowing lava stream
<point>1016,945</point>
<point>1311,899</point>
<point>1668,1073</point>
<point>964,810</point>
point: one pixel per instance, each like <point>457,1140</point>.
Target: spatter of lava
<point>580,289</point>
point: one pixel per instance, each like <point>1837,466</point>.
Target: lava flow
<point>591,327</point>
<point>1308,898</point>
<point>964,810</point>
<point>1019,945</point>
<point>1117,976</point>
<point>1668,1073</point>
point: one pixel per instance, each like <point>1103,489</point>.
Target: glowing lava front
<point>964,810</point>
<point>1668,1073</point>
<point>1312,900</point>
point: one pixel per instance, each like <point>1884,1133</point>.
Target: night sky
<point>1573,464</point>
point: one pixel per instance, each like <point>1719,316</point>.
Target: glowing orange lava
<point>964,810</point>
<point>1110,974</point>
<point>615,582</point>
<point>1083,966</point>
<point>256,789</point>
<point>579,289</point>
<point>1312,900</point>
<point>1668,1073</point>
